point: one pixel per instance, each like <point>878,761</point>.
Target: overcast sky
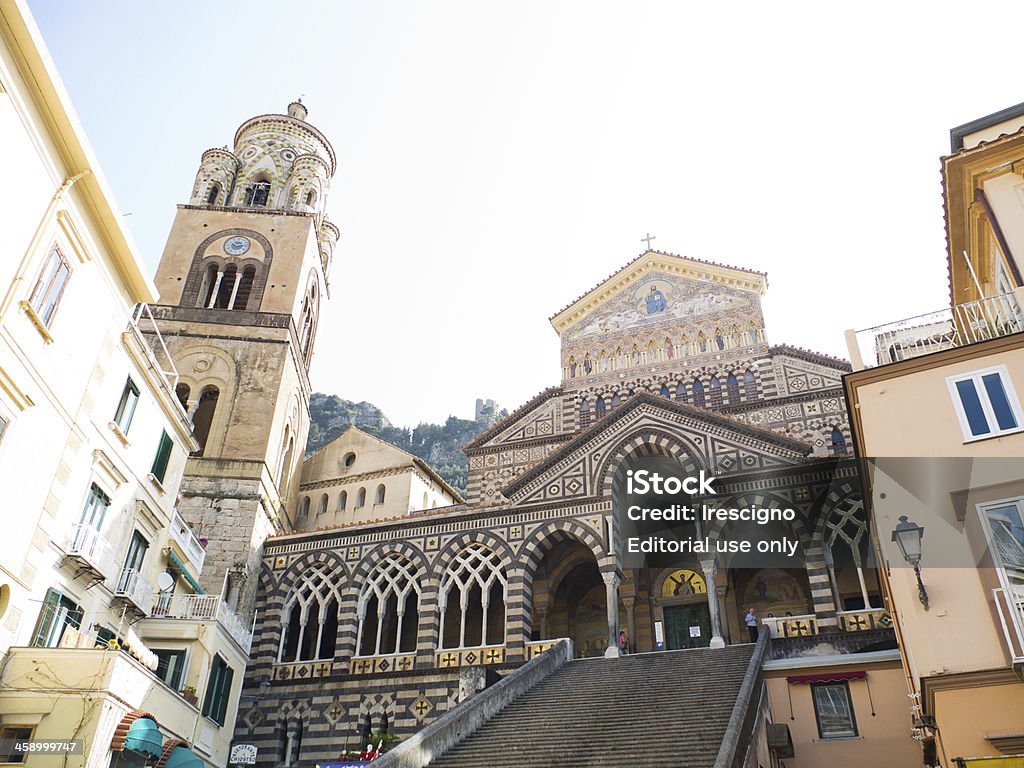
<point>496,160</point>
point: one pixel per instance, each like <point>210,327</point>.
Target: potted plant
<point>188,693</point>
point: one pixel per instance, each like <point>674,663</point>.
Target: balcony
<point>135,591</point>
<point>93,554</point>
<point>204,608</point>
<point>191,548</point>
<point>982,320</point>
<point>1010,607</point>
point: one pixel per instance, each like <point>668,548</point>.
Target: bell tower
<point>241,281</point>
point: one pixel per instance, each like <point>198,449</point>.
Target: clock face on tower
<point>237,245</point>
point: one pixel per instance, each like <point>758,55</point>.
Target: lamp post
<point>908,538</point>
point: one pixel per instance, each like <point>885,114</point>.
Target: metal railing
<point>88,545</point>
<point>204,608</point>
<point>974,321</point>
<point>132,587</point>
<point>182,533</point>
<point>166,365</point>
<point>1010,607</point>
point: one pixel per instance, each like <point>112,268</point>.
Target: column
<point>542,613</point>
<point>611,583</point>
<point>630,603</point>
<point>710,568</point>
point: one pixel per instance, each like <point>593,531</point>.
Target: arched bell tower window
<point>310,198</point>
<point>213,194</point>
<point>258,193</point>
<point>203,418</point>
<point>182,391</point>
<point>226,288</point>
<point>244,288</point>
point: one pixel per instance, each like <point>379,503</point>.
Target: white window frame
<point>986,405</point>
<point>993,548</point>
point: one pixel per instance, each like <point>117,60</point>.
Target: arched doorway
<point>569,598</point>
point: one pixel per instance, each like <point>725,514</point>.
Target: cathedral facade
<point>385,624</point>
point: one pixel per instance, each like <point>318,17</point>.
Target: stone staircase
<point>661,710</point>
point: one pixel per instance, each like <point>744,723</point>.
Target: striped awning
<point>136,729</point>
<point>826,677</point>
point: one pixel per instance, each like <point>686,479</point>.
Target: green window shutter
<point>163,457</point>
<point>225,694</point>
<point>46,615</point>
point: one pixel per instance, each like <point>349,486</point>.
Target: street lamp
<point>908,538</point>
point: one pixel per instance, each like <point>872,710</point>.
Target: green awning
<point>184,572</point>
<point>183,757</point>
<point>144,737</point>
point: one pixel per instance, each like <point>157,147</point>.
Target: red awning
<point>826,677</point>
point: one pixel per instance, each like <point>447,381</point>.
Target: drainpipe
<point>34,242</point>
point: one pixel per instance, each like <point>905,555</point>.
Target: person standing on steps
<point>751,621</point>
<point>623,643</point>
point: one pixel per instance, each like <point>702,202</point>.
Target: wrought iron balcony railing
<point>135,589</point>
<point>88,547</point>
<point>957,326</point>
<point>204,608</point>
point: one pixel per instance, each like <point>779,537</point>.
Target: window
<point>322,510</point>
<point>1006,539</point>
<point>342,500</point>
<point>349,460</point>
<point>258,194</point>
<point>163,457</point>
<point>599,407</point>
<point>381,491</point>
<point>732,388</point>
<point>126,407</point>
<point>834,710</point>
<point>50,286</point>
<point>136,552</point>
<point>838,442</point>
<point>361,498</point>
<point>698,393</point>
<point>715,388</point>
<point>311,618</point>
<point>213,194</point>
<point>170,666</point>
<point>472,599</point>
<point>304,510</point>
<point>59,616</point>
<point>182,391</point>
<point>986,403</point>
<point>388,608</point>
<point>8,736</point>
<point>218,690</point>
<point>95,510</point>
<point>202,420</point>
<point>244,289</point>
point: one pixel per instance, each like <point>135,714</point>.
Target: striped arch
<point>648,441</point>
<point>531,554</point>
